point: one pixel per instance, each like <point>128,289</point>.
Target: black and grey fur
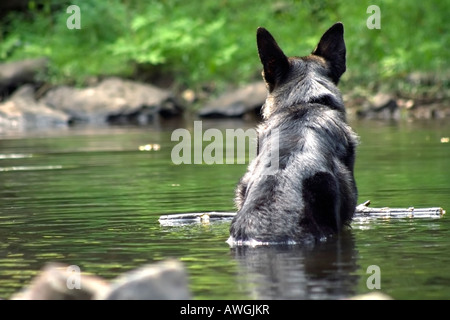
<point>312,192</point>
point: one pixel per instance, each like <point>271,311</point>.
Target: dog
<point>300,187</point>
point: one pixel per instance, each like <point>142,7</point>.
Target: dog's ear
<point>331,47</point>
<point>275,63</point>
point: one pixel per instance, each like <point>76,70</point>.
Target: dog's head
<point>293,80</point>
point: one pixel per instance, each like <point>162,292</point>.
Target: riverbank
<point>28,103</point>
<point>204,57</point>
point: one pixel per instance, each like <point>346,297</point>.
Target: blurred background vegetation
<point>193,44</point>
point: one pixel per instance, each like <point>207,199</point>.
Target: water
<point>90,197</point>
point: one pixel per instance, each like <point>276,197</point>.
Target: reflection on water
<point>322,271</point>
<point>92,198</point>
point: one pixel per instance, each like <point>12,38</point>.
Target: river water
<point>92,197</point>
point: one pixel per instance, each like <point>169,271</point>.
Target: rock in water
<point>112,100</point>
<point>236,103</point>
<point>58,282</point>
<point>166,280</point>
<point>21,111</point>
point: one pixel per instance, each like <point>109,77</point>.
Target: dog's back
<point>300,187</point>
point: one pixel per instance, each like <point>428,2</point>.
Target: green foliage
<point>214,40</point>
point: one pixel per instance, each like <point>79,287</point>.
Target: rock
<point>430,111</point>
<point>381,106</point>
<point>21,111</point>
<point>14,74</point>
<point>371,296</point>
<point>236,103</point>
<point>165,280</point>
<point>55,283</point>
<point>113,100</point>
<point>419,78</point>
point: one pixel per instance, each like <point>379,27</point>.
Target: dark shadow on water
<point>322,271</point>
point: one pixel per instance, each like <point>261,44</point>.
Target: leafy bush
<point>214,40</point>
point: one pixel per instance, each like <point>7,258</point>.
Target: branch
<point>361,211</point>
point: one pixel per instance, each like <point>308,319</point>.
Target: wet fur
<point>313,193</point>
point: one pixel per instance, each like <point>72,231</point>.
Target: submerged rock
<point>165,280</point>
<point>236,103</point>
<point>57,281</point>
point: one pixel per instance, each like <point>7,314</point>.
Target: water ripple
<point>15,156</point>
<point>31,168</point>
